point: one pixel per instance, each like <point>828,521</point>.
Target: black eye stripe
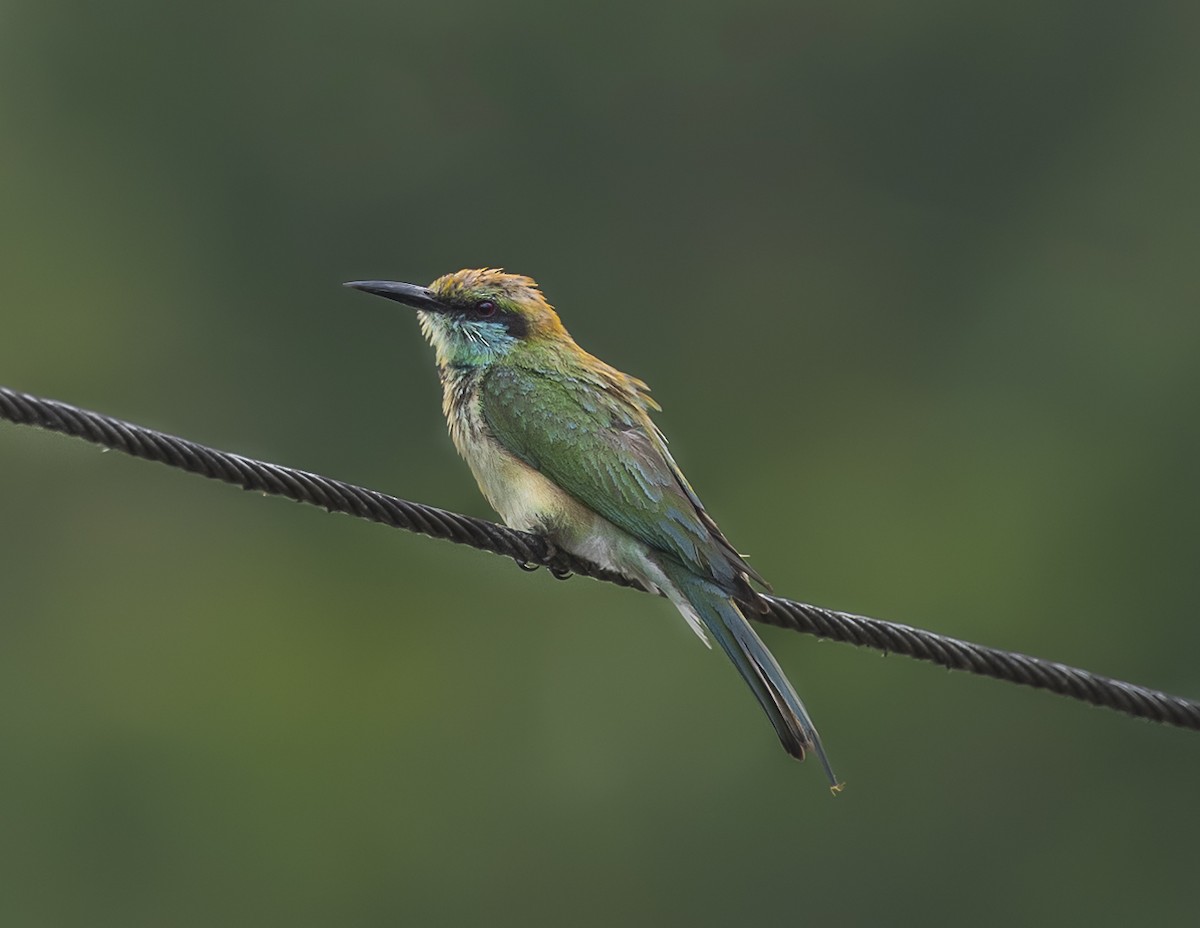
<point>513,322</point>
<point>515,325</point>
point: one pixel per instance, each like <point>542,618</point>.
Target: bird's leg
<point>558,569</point>
<point>555,562</point>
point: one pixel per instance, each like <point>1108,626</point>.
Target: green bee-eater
<point>562,445</point>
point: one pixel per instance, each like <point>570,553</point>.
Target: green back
<point>597,442</point>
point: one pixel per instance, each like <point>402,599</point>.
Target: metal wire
<point>531,551</point>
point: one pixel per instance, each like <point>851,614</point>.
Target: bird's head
<point>476,316</point>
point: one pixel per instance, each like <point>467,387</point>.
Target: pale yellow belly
<point>529,501</point>
<point>525,498</point>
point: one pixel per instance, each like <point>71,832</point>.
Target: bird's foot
<point>555,563</point>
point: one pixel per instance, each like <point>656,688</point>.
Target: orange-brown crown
<point>514,292</point>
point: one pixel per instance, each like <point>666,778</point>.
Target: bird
<point>562,445</point>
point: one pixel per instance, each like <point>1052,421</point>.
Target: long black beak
<point>408,294</point>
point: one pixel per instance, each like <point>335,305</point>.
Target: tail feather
<point>702,602</point>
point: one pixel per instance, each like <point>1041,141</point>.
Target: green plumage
<point>599,445</point>
<point>562,444</point>
<point>596,442</point>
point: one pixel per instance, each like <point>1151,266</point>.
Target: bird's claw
<point>554,563</point>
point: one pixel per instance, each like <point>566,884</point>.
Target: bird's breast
<point>528,500</point>
<point>524,497</point>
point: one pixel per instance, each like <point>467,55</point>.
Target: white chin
<point>435,330</point>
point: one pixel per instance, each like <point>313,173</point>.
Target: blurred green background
<point>917,287</point>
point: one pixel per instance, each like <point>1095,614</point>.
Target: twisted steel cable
<point>531,551</point>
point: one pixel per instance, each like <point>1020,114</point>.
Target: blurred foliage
<point>916,286</point>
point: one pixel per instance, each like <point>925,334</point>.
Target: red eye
<point>485,308</point>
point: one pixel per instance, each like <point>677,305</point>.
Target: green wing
<point>600,446</point>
